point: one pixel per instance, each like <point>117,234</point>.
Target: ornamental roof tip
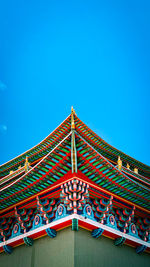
<point>73,111</point>
<point>72,118</point>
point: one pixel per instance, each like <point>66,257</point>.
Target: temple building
<point>74,200</point>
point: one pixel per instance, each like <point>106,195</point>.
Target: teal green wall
<point>74,249</point>
<point>46,252</point>
<point>101,252</point>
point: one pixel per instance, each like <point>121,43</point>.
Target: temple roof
<point>74,148</point>
<point>45,146</point>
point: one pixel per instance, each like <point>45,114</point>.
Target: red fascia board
<point>41,178</point>
<point>90,182</point>
<point>110,180</point>
<point>69,176</point>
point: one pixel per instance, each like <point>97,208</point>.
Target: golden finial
<point>11,172</point>
<point>72,118</point>
<point>26,164</point>
<point>119,163</point>
<point>128,166</point>
<point>72,110</point>
<point>26,159</point>
<point>135,170</point>
<point>19,167</point>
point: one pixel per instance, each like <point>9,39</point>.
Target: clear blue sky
<point>94,55</point>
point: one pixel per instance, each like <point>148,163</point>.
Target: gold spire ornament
<point>119,163</point>
<point>72,110</point>
<point>27,164</point>
<point>72,119</point>
<point>128,166</point>
<point>136,170</point>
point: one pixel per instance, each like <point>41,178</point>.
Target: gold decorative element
<point>27,164</point>
<point>128,166</point>
<point>19,167</point>
<point>11,172</point>
<point>136,170</point>
<point>72,118</point>
<point>72,110</point>
<point>119,163</point>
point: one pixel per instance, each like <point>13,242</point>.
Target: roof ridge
<point>30,170</point>
<point>111,163</point>
<point>29,150</point>
<point>119,152</point>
